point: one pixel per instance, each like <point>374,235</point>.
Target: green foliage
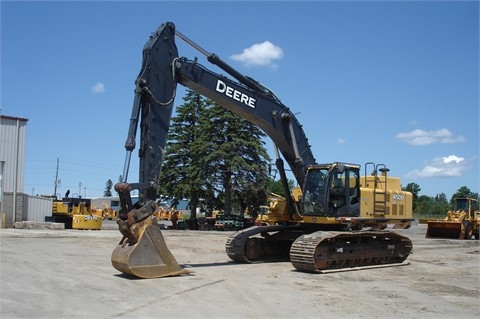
<point>415,190</point>
<point>214,156</point>
<point>463,192</point>
<point>108,189</point>
<point>275,186</point>
<point>237,159</point>
<point>432,205</point>
<point>182,175</point>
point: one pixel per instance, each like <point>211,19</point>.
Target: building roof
<point>6,117</point>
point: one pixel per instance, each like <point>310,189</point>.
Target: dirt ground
<point>68,274</point>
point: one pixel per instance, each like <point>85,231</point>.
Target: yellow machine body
<point>87,221</point>
<point>165,212</point>
<point>382,202</point>
<point>76,213</point>
<point>460,223</point>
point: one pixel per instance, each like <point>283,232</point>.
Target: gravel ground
<point>68,274</point>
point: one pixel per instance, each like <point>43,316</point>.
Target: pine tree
<point>237,159</point>
<point>108,189</point>
<point>182,175</point>
<point>212,155</point>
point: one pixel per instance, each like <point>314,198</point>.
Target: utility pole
<point>56,180</point>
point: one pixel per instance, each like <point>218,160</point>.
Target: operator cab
<point>332,190</point>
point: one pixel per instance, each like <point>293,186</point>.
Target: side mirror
<point>340,168</point>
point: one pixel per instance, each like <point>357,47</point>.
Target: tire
<point>477,233</point>
<point>468,229</point>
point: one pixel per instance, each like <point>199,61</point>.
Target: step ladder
<point>379,187</point>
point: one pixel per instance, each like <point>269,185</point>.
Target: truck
<point>335,220</point>
<point>462,222</point>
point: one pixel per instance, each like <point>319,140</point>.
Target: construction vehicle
<point>462,222</point>
<point>75,213</point>
<point>104,212</point>
<point>165,212</point>
<point>319,228</point>
<point>262,217</point>
<point>108,212</point>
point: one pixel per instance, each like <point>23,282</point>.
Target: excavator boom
<point>143,253</point>
<point>162,69</point>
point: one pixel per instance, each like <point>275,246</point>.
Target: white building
<point>12,163</point>
<point>14,204</point>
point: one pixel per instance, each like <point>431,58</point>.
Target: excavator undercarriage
<point>332,251</point>
<point>319,251</point>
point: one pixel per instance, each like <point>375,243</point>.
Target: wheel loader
<point>460,223</point>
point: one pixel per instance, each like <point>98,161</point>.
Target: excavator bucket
<point>445,229</point>
<point>148,258</point>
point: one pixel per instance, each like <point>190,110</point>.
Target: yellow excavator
<point>335,220</point>
<point>462,222</point>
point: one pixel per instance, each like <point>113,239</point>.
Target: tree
<point>424,205</point>
<point>108,189</point>
<point>275,186</point>
<point>440,204</point>
<point>215,157</point>
<point>182,175</point>
<point>415,190</point>
<point>463,192</point>
<point>237,159</point>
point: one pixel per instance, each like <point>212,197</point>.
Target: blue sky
<point>386,82</point>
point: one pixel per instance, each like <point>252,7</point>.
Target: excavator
<point>335,220</point>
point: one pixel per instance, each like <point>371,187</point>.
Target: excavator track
<point>257,244</point>
<point>337,251</point>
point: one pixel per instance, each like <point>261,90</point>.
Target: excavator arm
<point>142,252</point>
<point>155,90</point>
<point>162,69</point>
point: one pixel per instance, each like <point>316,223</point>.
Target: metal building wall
<point>36,208</point>
<point>12,155</point>
<point>12,152</point>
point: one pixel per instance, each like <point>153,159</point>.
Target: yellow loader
<point>460,223</point>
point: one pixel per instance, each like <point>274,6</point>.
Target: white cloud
<point>260,54</point>
<point>449,166</point>
<point>99,87</point>
<point>452,158</point>
<point>421,137</point>
<point>341,140</point>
